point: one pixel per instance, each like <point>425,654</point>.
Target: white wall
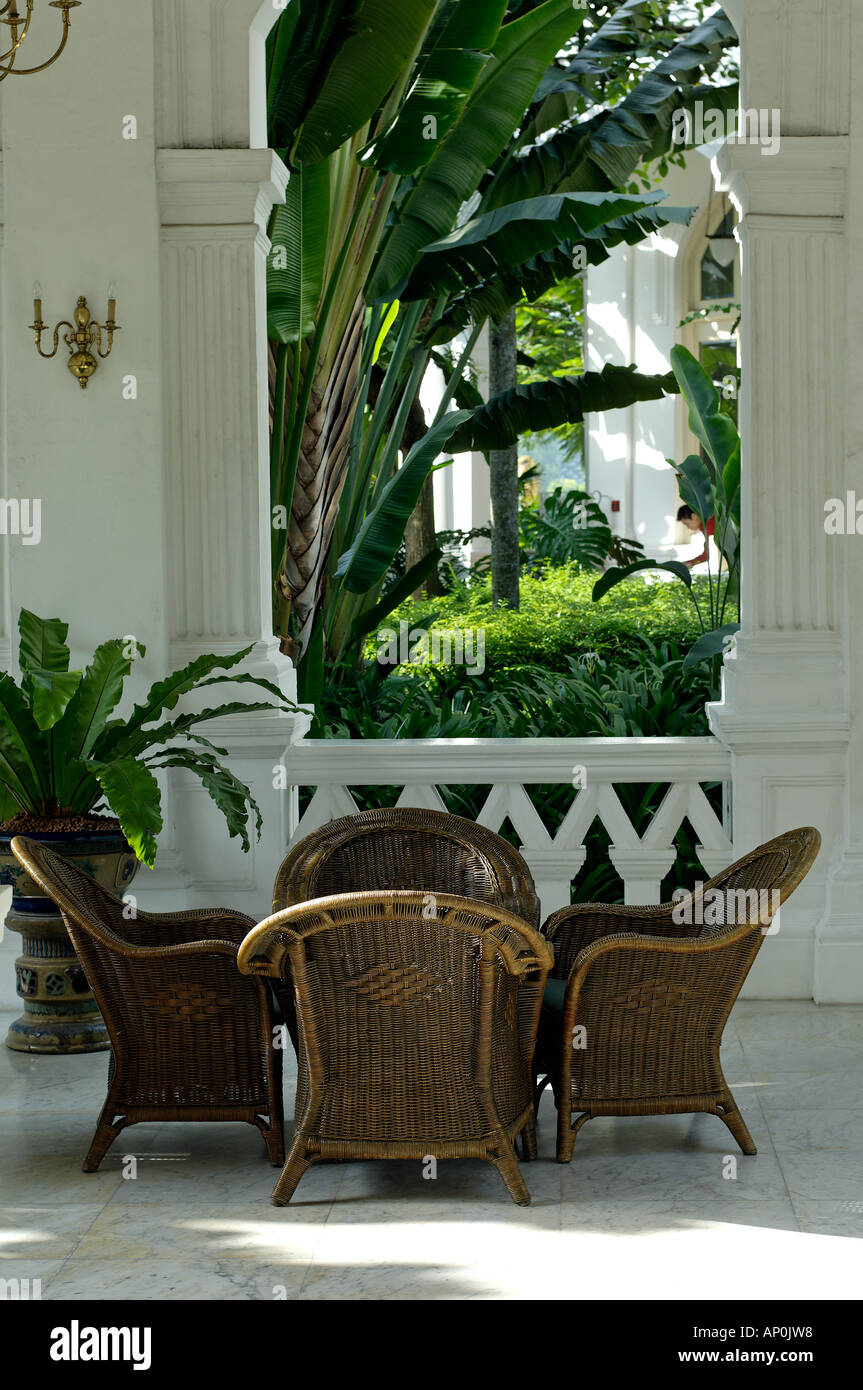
<point>633,304</point>
<point>155,520</point>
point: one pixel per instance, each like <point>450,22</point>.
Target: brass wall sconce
<point>83,336</point>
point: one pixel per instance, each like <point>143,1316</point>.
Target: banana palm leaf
<point>377,42</point>
<point>380,535</point>
<point>563,400</point>
<point>493,297</point>
<point>295,268</point>
<point>484,126</point>
<point>603,150</point>
<point>460,51</point>
<point>514,234</point>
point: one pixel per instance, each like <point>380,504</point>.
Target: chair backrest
<point>407,1019</point>
<point>752,889</point>
<point>428,851</point>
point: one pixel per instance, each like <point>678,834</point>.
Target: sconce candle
<point>83,336</point>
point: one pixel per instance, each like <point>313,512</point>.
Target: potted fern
<point>84,782</point>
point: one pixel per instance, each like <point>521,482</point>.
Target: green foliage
<point>498,424</point>
<point>566,526</point>
<point>500,82</point>
<point>61,753</point>
<point>559,668</point>
<point>557,620</point>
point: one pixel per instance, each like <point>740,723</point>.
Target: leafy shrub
<point>558,620</point>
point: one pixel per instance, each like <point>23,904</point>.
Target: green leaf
<point>710,644</point>
<point>604,150</point>
<point>445,78</point>
<point>697,390</point>
<point>86,715</point>
<point>369,50</point>
<point>545,404</point>
<point>232,796</point>
<point>42,644</point>
<point>567,526</point>
<point>492,297</point>
<point>416,575</point>
<point>166,693</point>
<point>390,317</point>
<point>381,534</point>
<point>23,749</point>
<point>295,266</point>
<point>696,487</point>
<point>140,739</point>
<point>617,574</point>
<point>50,694</point>
<point>510,236</point>
<point>484,127</point>
<point>132,793</point>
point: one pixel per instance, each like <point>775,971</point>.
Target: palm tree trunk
<point>505,560</point>
<point>321,473</point>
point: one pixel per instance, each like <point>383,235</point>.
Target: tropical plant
<point>644,694</point>
<point>570,525</point>
<point>711,489</point>
<point>61,753</point>
<point>403,134</point>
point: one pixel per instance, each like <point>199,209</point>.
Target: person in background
<point>694,523</point>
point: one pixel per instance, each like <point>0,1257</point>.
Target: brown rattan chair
<point>417,1021</point>
<point>191,1038</point>
<point>650,989</point>
<point>427,851</point>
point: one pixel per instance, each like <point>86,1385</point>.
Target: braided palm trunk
<point>321,473</point>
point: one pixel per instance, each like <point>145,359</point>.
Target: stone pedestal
<point>60,1012</point>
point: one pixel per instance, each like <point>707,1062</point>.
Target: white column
<point>785,709</point>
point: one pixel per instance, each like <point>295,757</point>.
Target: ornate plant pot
<point>60,1013</point>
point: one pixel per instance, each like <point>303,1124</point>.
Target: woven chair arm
<point>634,944</point>
<point>571,929</point>
<point>265,947</point>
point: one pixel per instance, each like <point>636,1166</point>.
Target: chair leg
<point>528,1140</point>
<point>505,1161</point>
<point>298,1162</point>
<point>106,1133</point>
<point>273,1138</point>
<point>567,1134</point>
<point>731,1116</point>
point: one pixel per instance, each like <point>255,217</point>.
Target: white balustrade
<point>594,768</point>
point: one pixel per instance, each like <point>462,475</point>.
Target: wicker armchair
<point>650,990</point>
<point>417,1022</point>
<point>191,1038</point>
<point>427,851</point>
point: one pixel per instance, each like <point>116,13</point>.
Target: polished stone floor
<point>649,1207</point>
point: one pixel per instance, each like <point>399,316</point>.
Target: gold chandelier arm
<point>16,41</point>
<point>110,329</point>
<point>28,72</point>
<point>39,331</point>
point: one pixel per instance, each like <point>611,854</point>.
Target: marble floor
<point>649,1207</point>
